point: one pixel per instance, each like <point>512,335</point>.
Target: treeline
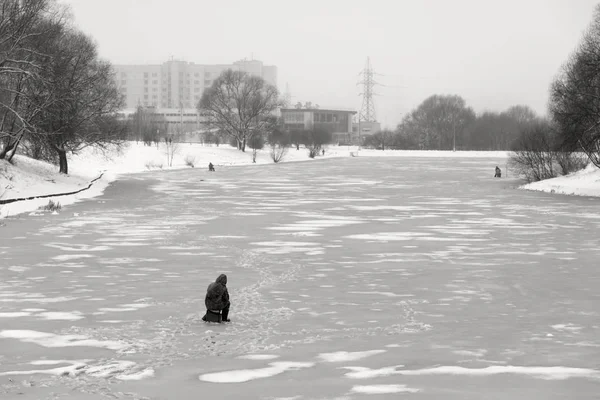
<point>56,95</point>
<point>570,139</point>
<point>445,122</point>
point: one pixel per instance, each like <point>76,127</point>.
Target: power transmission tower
<point>367,111</point>
<point>287,96</point>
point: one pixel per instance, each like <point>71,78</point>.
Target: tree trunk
<point>8,147</point>
<point>244,145</point>
<point>62,159</point>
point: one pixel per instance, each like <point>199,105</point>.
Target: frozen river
<point>351,278</point>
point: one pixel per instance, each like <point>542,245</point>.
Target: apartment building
<point>178,84</point>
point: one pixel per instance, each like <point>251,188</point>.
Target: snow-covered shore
<point>28,178</point>
<point>581,183</point>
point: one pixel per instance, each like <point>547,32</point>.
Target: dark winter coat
<point>217,296</point>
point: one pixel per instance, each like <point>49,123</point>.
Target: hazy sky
<point>492,53</point>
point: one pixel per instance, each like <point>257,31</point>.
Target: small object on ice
<point>549,335</point>
<point>76,214</point>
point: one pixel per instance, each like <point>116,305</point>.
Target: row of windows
<point>154,96</point>
<point>293,117</point>
<point>197,83</point>
<point>147,103</point>
<point>207,75</point>
<point>325,117</point>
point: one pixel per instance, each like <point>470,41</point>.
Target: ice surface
<point>343,356</point>
<point>61,316</point>
<point>67,257</point>
<point>51,340</point>
<point>572,328</point>
<point>258,357</point>
<point>549,373</point>
<point>14,314</point>
<point>383,389</point>
<point>136,376</point>
<point>245,375</point>
<point>76,247</point>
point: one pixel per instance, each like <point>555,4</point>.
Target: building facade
<point>178,84</point>
<point>337,122</point>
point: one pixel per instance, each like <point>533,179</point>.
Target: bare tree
<point>534,153</point>
<point>439,122</point>
<point>256,143</point>
<point>315,139</point>
<point>297,137</point>
<point>574,95</point>
<point>171,148</point>
<point>239,104</point>
<point>86,100</point>
<point>146,126</point>
<point>27,30</point>
<point>379,140</point>
<point>278,151</point>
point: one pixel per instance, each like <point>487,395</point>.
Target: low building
<point>337,122</point>
<point>171,120</point>
<point>366,128</point>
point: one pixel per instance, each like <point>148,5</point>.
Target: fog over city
<point>493,54</point>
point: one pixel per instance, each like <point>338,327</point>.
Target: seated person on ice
<point>217,301</point>
<point>211,167</point>
<point>498,173</point>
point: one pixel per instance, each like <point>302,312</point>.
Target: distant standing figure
<point>217,299</point>
<point>498,173</point>
<point>323,151</point>
<point>211,167</point>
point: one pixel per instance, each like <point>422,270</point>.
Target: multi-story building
<point>337,122</point>
<point>178,84</point>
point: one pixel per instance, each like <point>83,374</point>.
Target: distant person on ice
<point>217,299</point>
<point>211,167</point>
<point>498,173</point>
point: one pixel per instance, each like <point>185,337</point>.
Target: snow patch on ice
<point>76,247</point>
<point>14,314</point>
<point>343,356</point>
<point>61,316</point>
<point>67,257</point>
<point>548,373</point>
<point>572,328</point>
<point>51,340</point>
<point>245,375</point>
<point>258,357</point>
<point>383,389</point>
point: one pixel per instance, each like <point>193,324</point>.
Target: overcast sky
<point>492,53</point>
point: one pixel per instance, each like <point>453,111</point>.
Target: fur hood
<point>217,296</point>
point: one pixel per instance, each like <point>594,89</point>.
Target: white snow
<point>245,375</point>
<point>548,373</point>
<point>122,370</point>
<point>14,314</point>
<point>344,356</point>
<point>61,316</point>
<point>383,389</point>
<point>258,357</point>
<point>582,183</point>
<point>51,340</point>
